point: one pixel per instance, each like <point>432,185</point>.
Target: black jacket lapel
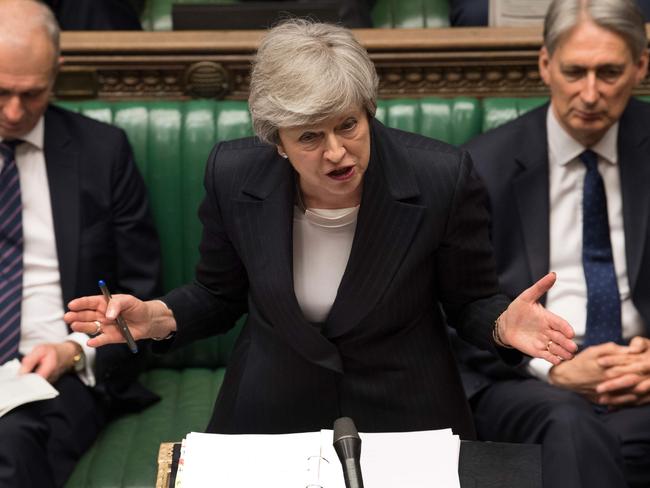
<point>385,228</point>
<point>531,187</point>
<point>62,162</point>
<point>265,215</point>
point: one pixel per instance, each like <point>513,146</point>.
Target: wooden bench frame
<point>476,62</point>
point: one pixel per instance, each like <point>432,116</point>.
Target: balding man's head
<point>20,20</point>
<point>29,60</point>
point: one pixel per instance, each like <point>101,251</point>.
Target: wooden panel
<point>477,62</point>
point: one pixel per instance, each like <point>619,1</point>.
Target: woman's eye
<point>308,137</point>
<point>349,124</point>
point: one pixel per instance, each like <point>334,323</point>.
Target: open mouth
<point>341,173</point>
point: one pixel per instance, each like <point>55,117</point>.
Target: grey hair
<point>305,72</point>
<point>18,23</point>
<point>621,17</point>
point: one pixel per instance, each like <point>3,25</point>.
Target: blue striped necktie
<point>603,300</point>
<point>11,253</point>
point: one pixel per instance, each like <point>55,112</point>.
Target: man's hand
<point>50,361</point>
<point>585,373</point>
<point>529,327</point>
<point>627,375</point>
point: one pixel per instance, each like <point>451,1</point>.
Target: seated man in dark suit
<point>569,188</point>
<point>73,210</point>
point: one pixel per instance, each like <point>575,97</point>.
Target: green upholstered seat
<point>171,142</point>
<point>156,14</point>
<point>410,13</point>
<point>452,120</point>
<point>497,111</point>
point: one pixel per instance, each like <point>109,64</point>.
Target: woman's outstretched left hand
<point>526,325</point>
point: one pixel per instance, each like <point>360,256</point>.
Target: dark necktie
<point>11,253</point>
<point>603,300</point>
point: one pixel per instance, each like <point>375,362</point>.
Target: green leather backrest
<point>452,120</point>
<point>497,111</point>
<point>410,13</point>
<point>156,14</point>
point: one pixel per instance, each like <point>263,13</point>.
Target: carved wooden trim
<point>476,62</point>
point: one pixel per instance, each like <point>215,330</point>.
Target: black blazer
<point>512,160</point>
<point>103,230</point>
<point>420,255</point>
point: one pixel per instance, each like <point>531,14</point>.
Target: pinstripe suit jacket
<point>420,257</point>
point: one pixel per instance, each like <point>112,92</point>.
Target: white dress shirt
<point>322,241</point>
<point>568,297</point>
<point>42,306</point>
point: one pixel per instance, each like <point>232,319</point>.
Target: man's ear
<point>542,63</point>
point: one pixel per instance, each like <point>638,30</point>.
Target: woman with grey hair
<point>350,245</point>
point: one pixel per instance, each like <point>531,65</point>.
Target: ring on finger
<point>98,327</point>
<point>548,346</point>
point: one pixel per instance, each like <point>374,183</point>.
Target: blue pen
<point>121,323</point>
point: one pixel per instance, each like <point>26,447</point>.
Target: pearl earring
<point>284,155</point>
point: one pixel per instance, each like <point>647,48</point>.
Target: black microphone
<point>347,445</point>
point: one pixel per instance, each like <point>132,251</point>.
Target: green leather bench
<point>156,14</point>
<point>171,141</point>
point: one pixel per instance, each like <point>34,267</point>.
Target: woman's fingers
<point>537,290</point>
<point>558,350</point>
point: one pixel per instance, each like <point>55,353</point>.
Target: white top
<point>322,240</point>
<point>568,297</point>
<point>42,306</point>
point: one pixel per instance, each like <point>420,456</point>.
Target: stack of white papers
<point>17,389</point>
<point>308,460</point>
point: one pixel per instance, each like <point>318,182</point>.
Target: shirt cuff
<point>539,368</point>
<point>87,376</point>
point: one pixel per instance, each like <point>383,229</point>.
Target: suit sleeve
<point>467,279</point>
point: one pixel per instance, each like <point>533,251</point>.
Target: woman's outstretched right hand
<point>93,316</point>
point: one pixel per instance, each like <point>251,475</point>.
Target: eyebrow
<point>597,67</point>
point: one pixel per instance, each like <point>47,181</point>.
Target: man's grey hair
<point>621,17</point>
<point>20,17</point>
<point>305,72</point>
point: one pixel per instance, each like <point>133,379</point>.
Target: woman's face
<point>330,158</point>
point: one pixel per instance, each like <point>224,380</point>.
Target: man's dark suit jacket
<point>512,160</point>
<point>104,230</point>
<point>420,253</point>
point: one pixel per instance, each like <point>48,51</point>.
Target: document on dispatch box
<point>308,460</point>
<point>17,389</point>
